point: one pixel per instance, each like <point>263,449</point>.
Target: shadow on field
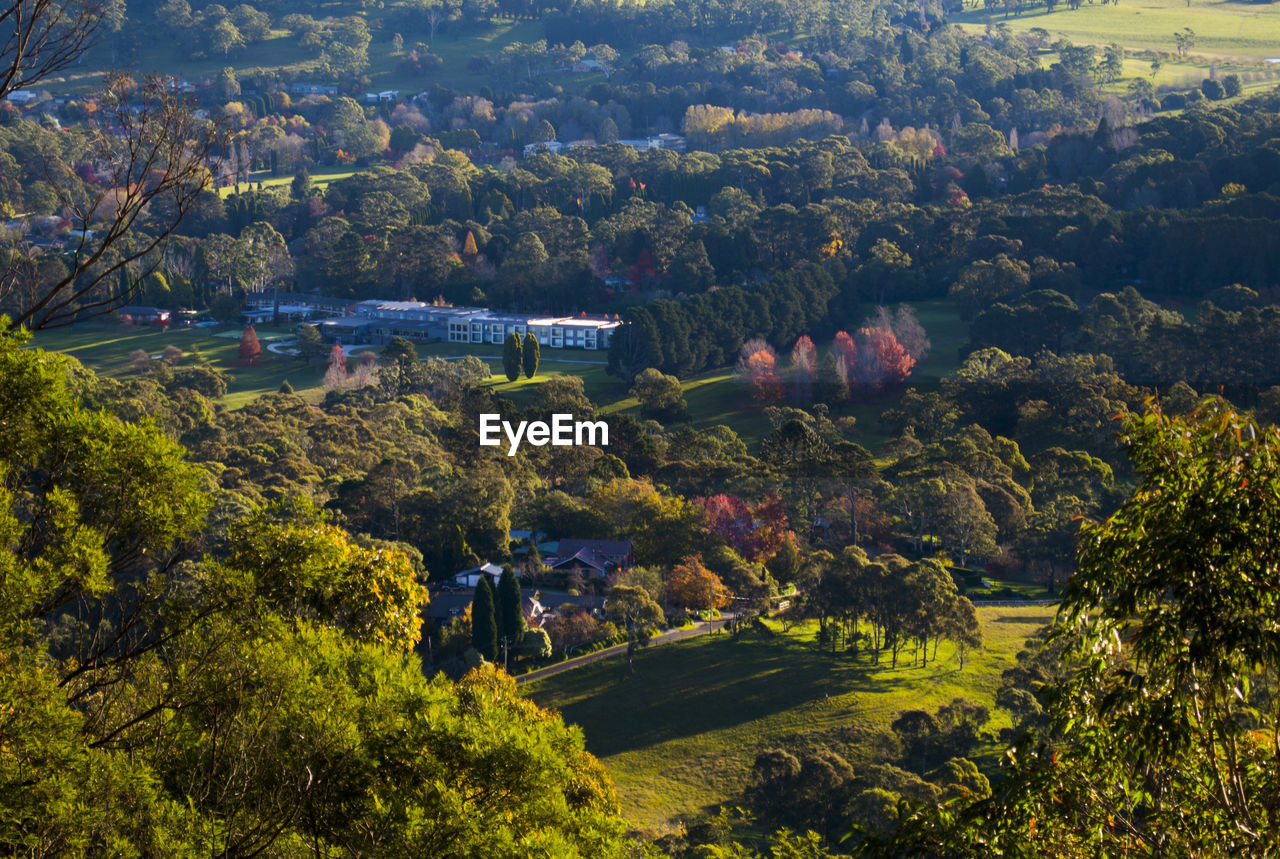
<point>695,687</point>
<point>1040,619</point>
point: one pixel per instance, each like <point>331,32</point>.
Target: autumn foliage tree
<point>758,367</point>
<point>882,354</point>
<point>250,348</point>
<point>756,533</point>
<point>882,361</point>
<point>691,585</point>
<point>804,368</point>
<point>336,376</point>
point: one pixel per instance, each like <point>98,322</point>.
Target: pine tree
<point>512,621</point>
<point>484,623</point>
<point>532,352</point>
<point>512,356</point>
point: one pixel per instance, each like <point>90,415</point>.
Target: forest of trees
<point>212,620</point>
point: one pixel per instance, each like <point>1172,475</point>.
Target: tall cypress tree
<point>532,352</point>
<point>512,357</point>
<point>511,623</point>
<point>484,623</point>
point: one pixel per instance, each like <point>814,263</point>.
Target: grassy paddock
<point>281,52</point>
<point>1247,32</point>
<point>679,737</point>
<point>105,347</point>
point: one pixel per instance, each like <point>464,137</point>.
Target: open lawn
<point>320,177</point>
<point>679,737</point>
<point>106,347</point>
<point>282,53</point>
<point>1224,30</point>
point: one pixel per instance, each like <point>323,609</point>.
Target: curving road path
<point>619,649</point>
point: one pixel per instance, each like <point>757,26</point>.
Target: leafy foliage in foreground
<point>174,683</point>
<point>1161,735</point>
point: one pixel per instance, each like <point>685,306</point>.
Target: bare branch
<point>39,38</point>
<point>157,154</point>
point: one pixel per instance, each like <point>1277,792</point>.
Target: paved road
<point>617,650</point>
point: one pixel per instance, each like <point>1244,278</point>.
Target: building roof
<point>598,554</point>
<point>491,569</point>
<point>348,322</point>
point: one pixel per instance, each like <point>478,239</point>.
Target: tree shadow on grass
<point>699,686</point>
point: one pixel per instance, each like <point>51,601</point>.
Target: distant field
<point>1224,30</point>
<point>320,176</point>
<point>680,736</point>
<point>105,347</point>
<point>283,53</point>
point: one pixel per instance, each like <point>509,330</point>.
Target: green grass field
<point>679,736</point>
<point>106,347</point>
<point>1244,32</point>
<point>282,53</point>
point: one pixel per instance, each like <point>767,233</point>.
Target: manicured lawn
<point>679,737</point>
<point>320,177</point>
<point>106,347</point>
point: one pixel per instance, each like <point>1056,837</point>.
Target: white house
<point>471,578</point>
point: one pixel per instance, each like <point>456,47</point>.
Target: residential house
<point>471,578</point>
<point>593,558</point>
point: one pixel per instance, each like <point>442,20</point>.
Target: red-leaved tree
<point>845,348</point>
<point>758,366</point>
<point>250,348</point>
<point>804,368</point>
<point>882,360</point>
<point>755,533</point>
<point>336,376</point>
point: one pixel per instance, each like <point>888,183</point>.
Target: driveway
<point>620,649</point>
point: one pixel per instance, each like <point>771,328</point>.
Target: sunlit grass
<point>679,736</point>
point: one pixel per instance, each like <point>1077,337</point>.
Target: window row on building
<point>378,321</point>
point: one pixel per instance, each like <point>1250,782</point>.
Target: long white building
<point>377,321</point>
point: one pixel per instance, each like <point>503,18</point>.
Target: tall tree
<point>532,353</point>
<point>636,612</point>
<point>511,622</point>
<point>1158,735</point>
<point>484,621</point>
<point>512,356</point>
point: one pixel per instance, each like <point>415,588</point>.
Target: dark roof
<point>611,549</point>
<point>589,557</point>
